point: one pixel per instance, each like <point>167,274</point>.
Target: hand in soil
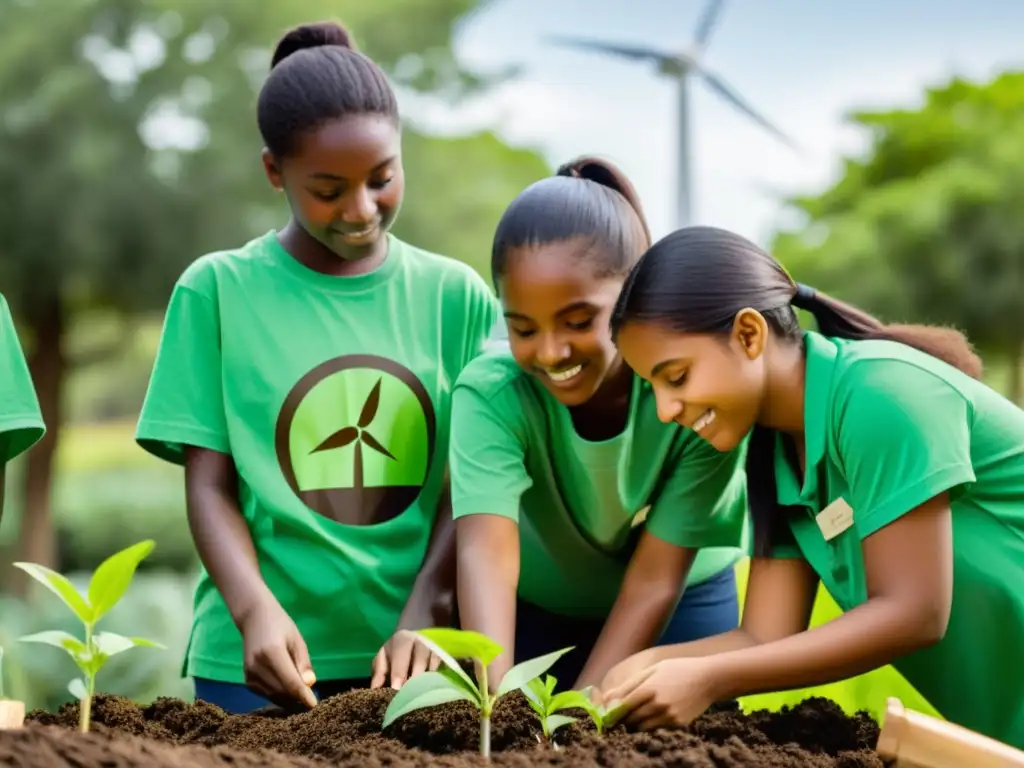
<point>401,658</point>
<point>668,694</point>
<point>277,663</point>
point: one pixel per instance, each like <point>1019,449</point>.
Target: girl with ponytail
<point>878,463</point>
<point>578,515</point>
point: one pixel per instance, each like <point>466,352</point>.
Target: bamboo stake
<point>12,714</point>
<point>916,740</point>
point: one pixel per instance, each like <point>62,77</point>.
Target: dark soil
<point>344,731</point>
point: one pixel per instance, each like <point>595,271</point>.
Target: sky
<point>801,63</point>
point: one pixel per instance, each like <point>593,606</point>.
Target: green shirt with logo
<point>887,428</point>
<point>332,394</point>
<point>21,423</point>
<point>579,503</point>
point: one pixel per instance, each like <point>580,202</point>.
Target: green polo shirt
<point>887,428</point>
<point>21,423</point>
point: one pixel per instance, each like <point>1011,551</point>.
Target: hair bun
<point>316,35</point>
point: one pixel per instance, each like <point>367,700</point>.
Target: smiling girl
<point>303,380</point>
<point>878,463</point>
<point>579,516</point>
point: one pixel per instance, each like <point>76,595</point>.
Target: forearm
<point>865,638</point>
<point>488,579</point>
<point>636,621</point>
<point>225,547</point>
<point>432,599</point>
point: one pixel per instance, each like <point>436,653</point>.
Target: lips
<point>359,236</point>
<point>564,377</point>
<point>705,420</point>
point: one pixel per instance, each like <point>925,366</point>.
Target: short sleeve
<point>184,402</point>
<point>902,435</point>
<point>487,456</point>
<point>484,320</point>
<point>21,423</point>
<point>703,502</point>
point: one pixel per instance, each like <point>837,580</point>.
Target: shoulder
<point>494,374</point>
<point>887,374</point>
<point>204,275</point>
<point>450,274</point>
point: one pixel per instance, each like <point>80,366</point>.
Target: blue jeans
<point>706,609</point>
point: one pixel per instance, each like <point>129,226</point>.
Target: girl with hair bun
<point>303,382</point>
<point>878,464</point>
<point>580,518</point>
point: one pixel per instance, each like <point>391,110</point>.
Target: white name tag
<point>835,518</point>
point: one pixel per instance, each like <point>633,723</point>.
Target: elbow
<point>931,626</point>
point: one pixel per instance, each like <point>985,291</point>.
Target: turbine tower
<point>681,67</point>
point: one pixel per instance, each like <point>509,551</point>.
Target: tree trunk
<point>37,542</point>
<point>1016,374</point>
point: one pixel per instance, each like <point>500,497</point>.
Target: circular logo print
<point>355,439</point>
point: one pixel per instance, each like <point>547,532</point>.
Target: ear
<point>750,332</point>
<point>273,170</point>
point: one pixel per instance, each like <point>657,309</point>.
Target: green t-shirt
<point>333,397</point>
<point>887,428</point>
<point>516,453</point>
<point>21,423</point>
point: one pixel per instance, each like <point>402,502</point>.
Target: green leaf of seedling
<point>536,694</point>
<point>113,576</point>
<point>112,644</point>
<point>525,671</point>
<point>550,681</point>
<point>461,682</point>
<point>614,713</point>
<point>58,639</point>
<point>427,689</point>
<point>61,587</point>
<point>557,721</point>
<point>464,643</point>
<point>77,688</point>
<point>571,700</point>
<point>443,655</point>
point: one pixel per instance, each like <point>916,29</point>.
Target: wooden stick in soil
<point>916,740</point>
<point>12,715</point>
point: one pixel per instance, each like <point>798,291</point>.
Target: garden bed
<point>345,731</point>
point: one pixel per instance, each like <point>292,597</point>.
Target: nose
<point>359,207</point>
<point>669,408</point>
<point>551,350</point>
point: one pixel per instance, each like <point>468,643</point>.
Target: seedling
<point>546,703</point>
<point>452,683</point>
<point>604,715</point>
<point>106,588</point>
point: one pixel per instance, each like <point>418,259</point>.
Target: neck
<point>605,414</point>
<point>783,406</point>
<point>313,254</point>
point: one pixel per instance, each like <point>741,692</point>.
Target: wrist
<point>244,608</point>
<point>723,677</point>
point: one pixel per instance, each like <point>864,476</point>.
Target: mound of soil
<point>344,731</point>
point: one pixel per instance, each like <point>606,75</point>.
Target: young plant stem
<point>485,715</point>
<point>85,705</point>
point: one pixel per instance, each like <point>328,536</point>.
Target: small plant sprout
<point>604,715</point>
<point>546,703</point>
<point>106,588</point>
<point>452,683</point>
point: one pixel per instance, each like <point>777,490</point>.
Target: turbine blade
<point>339,439</point>
<point>636,52</point>
<point>372,441</point>
<point>708,19</point>
<point>726,92</point>
<point>370,406</point>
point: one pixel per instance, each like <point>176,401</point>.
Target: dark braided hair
<point>317,75</point>
<point>588,198</point>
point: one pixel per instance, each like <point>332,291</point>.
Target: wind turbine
<point>681,66</point>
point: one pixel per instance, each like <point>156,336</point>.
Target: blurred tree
<point>927,226</point>
<point>130,147</point>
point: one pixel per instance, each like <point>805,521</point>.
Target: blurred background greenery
<point>107,206</point>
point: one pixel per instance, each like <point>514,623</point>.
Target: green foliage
<point>453,683</point>
<point>546,703</point>
<point>926,226</point>
<point>108,585</point>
